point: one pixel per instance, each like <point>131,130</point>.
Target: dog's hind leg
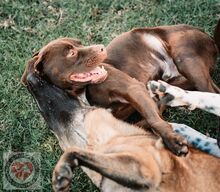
<point>195,59</point>
<point>125,168</point>
<point>197,139</point>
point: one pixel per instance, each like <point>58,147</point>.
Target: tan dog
<point>182,55</point>
<point>117,156</point>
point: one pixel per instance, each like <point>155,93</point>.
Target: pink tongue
<point>80,78</point>
<point>83,77</point>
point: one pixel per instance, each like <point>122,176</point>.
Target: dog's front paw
<point>167,94</point>
<point>176,143</point>
<point>62,177</point>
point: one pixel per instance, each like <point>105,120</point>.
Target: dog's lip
<point>96,75</point>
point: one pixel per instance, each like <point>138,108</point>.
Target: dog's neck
<point>73,132</point>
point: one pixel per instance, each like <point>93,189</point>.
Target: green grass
<point>26,25</point>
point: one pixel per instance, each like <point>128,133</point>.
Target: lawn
<point>26,25</point>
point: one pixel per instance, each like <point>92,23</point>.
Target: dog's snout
<point>102,48</point>
<point>33,79</point>
<point>99,48</point>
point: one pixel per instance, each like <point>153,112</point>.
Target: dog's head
<point>56,106</point>
<point>63,114</point>
<point>66,63</point>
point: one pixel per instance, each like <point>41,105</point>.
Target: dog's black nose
<point>33,79</point>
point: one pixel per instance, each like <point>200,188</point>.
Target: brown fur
<point>181,54</point>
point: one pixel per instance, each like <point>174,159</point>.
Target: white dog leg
<point>175,96</point>
<point>197,139</point>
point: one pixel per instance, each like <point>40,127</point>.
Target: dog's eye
<point>69,47</point>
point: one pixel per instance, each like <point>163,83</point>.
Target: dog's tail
<point>217,35</point>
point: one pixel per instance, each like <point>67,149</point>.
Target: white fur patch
<point>168,67</point>
<point>209,102</point>
<point>155,43</point>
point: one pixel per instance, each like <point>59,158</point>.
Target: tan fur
<point>197,172</point>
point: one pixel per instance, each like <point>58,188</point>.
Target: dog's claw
<point>177,144</point>
<point>62,177</point>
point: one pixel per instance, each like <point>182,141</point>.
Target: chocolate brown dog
<point>182,55</point>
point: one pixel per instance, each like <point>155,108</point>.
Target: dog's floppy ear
<point>75,42</point>
<point>33,66</point>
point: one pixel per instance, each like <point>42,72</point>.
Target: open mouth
<point>97,75</point>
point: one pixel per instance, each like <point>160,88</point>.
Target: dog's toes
<point>177,144</point>
<point>156,89</point>
<point>168,94</point>
<point>62,177</point>
<point>160,91</point>
<point>153,86</point>
<point>167,99</point>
